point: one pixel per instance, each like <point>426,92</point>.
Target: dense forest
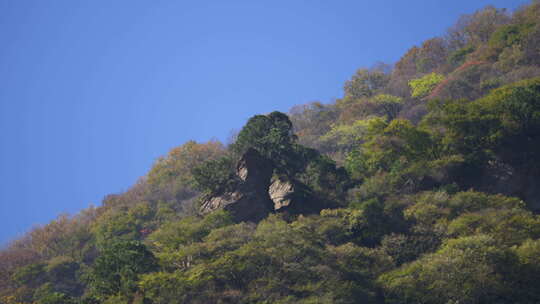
<point>420,185</point>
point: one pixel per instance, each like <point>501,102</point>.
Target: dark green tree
<point>118,266</point>
<point>271,135</point>
<point>215,175</point>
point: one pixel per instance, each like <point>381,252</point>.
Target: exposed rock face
<point>243,205</point>
<point>281,193</point>
<point>293,197</point>
<point>254,170</point>
<point>250,200</point>
<point>258,195</point>
<point>221,201</point>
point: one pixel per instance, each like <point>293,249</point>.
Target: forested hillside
<point>420,185</point>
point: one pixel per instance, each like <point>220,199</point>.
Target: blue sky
<point>92,92</point>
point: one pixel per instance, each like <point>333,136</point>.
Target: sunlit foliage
<point>437,200</point>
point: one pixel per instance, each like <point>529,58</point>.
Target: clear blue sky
<point>92,92</point>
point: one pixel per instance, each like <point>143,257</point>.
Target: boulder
<point>281,193</point>
<point>293,197</point>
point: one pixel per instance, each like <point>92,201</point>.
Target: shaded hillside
<point>420,185</point>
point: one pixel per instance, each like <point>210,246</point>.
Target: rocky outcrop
<point>281,193</point>
<point>293,197</point>
<point>258,194</point>
<point>243,205</point>
<point>250,200</point>
<point>254,170</point>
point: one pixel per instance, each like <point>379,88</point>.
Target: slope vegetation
<point>420,185</point>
